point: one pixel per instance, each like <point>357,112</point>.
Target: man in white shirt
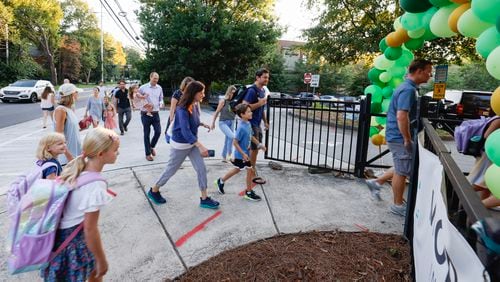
<point>154,94</point>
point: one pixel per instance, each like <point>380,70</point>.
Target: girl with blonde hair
<point>226,122</point>
<point>84,258</point>
<point>49,147</point>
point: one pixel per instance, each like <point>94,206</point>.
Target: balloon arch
<point>425,20</point>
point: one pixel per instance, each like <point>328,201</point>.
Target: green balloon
<point>414,44</point>
<point>380,84</point>
<point>395,82</point>
<point>428,35</point>
<point>492,179</point>
<point>412,21</point>
<point>382,45</point>
<point>375,108</point>
<point>373,89</point>
<point>397,23</point>
<point>387,93</point>
<point>415,6</point>
<point>381,120</point>
<point>373,74</point>
<point>487,41</point>
<point>493,63</point>
<point>397,71</point>
<point>385,105</point>
<point>428,16</point>
<point>470,25</point>
<point>498,23</point>
<point>405,58</point>
<point>393,53</point>
<point>385,77</point>
<point>417,33</point>
<point>439,22</point>
<point>492,147</point>
<point>486,10</point>
<point>373,130</point>
<point>440,3</point>
<point>381,62</point>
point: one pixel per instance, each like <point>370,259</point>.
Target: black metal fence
<point>316,133</point>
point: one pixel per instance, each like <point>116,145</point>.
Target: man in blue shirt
<point>257,99</point>
<point>401,114</point>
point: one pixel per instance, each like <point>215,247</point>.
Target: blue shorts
<point>401,157</point>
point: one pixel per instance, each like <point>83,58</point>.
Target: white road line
<point>21,137</point>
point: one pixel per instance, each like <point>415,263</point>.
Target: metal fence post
<point>363,136</point>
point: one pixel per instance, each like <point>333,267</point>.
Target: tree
<point>133,60</point>
<point>209,40</point>
<point>38,22</point>
<point>80,23</point>
<point>69,58</point>
<point>348,30</point>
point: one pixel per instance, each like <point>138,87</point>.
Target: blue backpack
<point>469,136</point>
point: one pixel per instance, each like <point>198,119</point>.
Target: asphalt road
<point>18,112</point>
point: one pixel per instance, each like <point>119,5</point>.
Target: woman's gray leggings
<point>174,163</point>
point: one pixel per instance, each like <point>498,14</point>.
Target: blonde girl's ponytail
<point>96,141</point>
<point>73,169</point>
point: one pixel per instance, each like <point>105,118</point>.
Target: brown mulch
<point>314,256</point>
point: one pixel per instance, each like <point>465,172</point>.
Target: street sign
<point>307,77</point>
<point>441,74</point>
<point>439,90</point>
<point>315,80</point>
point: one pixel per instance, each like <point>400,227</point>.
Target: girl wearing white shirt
<point>83,258</point>
<point>47,105</point>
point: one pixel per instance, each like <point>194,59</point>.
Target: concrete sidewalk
<point>144,242</point>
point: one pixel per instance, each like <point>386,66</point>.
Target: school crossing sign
<point>440,78</point>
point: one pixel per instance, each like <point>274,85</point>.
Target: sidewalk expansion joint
<point>269,206</point>
<point>172,243</point>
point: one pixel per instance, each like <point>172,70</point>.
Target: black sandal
<point>259,180</point>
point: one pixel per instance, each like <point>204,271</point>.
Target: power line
<point>114,17</point>
<point>126,18</point>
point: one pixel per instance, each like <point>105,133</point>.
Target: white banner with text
<point>441,252</point>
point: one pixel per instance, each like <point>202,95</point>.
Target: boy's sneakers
<point>251,196</point>
<point>156,197</point>
<point>208,203</point>
<point>398,209</point>
<point>374,189</point>
<point>219,185</point>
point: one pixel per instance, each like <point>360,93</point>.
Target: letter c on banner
<point>440,258</point>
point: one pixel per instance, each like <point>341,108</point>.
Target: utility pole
<point>7,43</point>
<point>102,49</point>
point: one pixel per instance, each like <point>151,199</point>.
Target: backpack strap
<point>82,180</point>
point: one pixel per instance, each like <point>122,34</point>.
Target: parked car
<point>214,99</point>
<point>458,105</point>
<point>24,90</point>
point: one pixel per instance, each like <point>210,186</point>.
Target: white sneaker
<point>374,189</point>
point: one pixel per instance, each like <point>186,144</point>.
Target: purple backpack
<point>469,135</point>
<point>35,221</point>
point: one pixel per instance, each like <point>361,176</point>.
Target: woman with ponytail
<point>83,258</point>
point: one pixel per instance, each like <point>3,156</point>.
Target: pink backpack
<point>35,221</point>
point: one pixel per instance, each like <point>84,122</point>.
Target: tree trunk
<point>50,58</point>
<point>87,78</point>
<point>208,91</point>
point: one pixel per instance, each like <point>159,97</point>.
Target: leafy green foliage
<point>208,40</point>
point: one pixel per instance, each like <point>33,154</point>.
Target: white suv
<point>27,90</point>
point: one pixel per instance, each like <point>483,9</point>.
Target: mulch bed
<point>314,256</point>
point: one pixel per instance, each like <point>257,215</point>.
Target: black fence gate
<point>319,133</point>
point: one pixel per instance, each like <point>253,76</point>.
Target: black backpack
<point>241,91</point>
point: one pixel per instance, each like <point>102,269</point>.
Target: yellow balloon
<point>397,38</point>
<point>378,139</point>
<point>495,101</point>
<point>455,16</point>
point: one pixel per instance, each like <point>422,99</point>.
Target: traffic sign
<point>439,90</point>
<point>441,74</point>
<point>307,77</point>
<point>315,80</point>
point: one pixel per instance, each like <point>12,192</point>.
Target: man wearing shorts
<point>256,97</point>
<point>402,112</point>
